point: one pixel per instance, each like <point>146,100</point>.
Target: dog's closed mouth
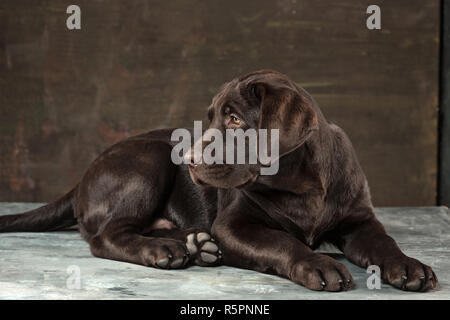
<point>194,178</point>
<point>214,172</point>
<point>248,183</point>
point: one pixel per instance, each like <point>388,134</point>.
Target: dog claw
<point>177,263</point>
<point>162,263</point>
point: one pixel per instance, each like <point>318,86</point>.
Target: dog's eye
<point>235,119</point>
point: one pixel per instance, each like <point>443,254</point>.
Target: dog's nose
<point>187,158</point>
<point>194,155</point>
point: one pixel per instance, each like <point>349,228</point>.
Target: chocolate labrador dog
<point>134,204</point>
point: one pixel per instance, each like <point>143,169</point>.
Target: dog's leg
<point>202,247</point>
<point>251,245</point>
<point>120,240</point>
<point>366,243</point>
<point>120,197</point>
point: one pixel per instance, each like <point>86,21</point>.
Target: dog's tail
<point>51,217</point>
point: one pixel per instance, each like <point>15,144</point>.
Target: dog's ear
<point>283,106</point>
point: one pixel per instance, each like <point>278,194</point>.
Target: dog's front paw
<point>408,274</point>
<point>165,254</point>
<point>203,249</point>
<point>322,273</point>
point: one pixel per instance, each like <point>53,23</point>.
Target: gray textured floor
<point>35,266</point>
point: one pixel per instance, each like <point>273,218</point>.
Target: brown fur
<point>135,205</point>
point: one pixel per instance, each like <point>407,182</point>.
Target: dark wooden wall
<point>139,65</point>
<point>444,152</point>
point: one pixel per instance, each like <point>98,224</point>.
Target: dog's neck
<point>307,168</point>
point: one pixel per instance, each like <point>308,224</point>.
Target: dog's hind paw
<point>203,249</point>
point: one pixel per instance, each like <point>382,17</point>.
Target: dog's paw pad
<point>203,236</point>
<point>190,244</point>
<point>203,249</point>
<point>208,257</point>
<point>210,247</point>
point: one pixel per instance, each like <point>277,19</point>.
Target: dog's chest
<point>307,216</point>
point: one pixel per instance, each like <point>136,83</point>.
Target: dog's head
<point>260,100</point>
